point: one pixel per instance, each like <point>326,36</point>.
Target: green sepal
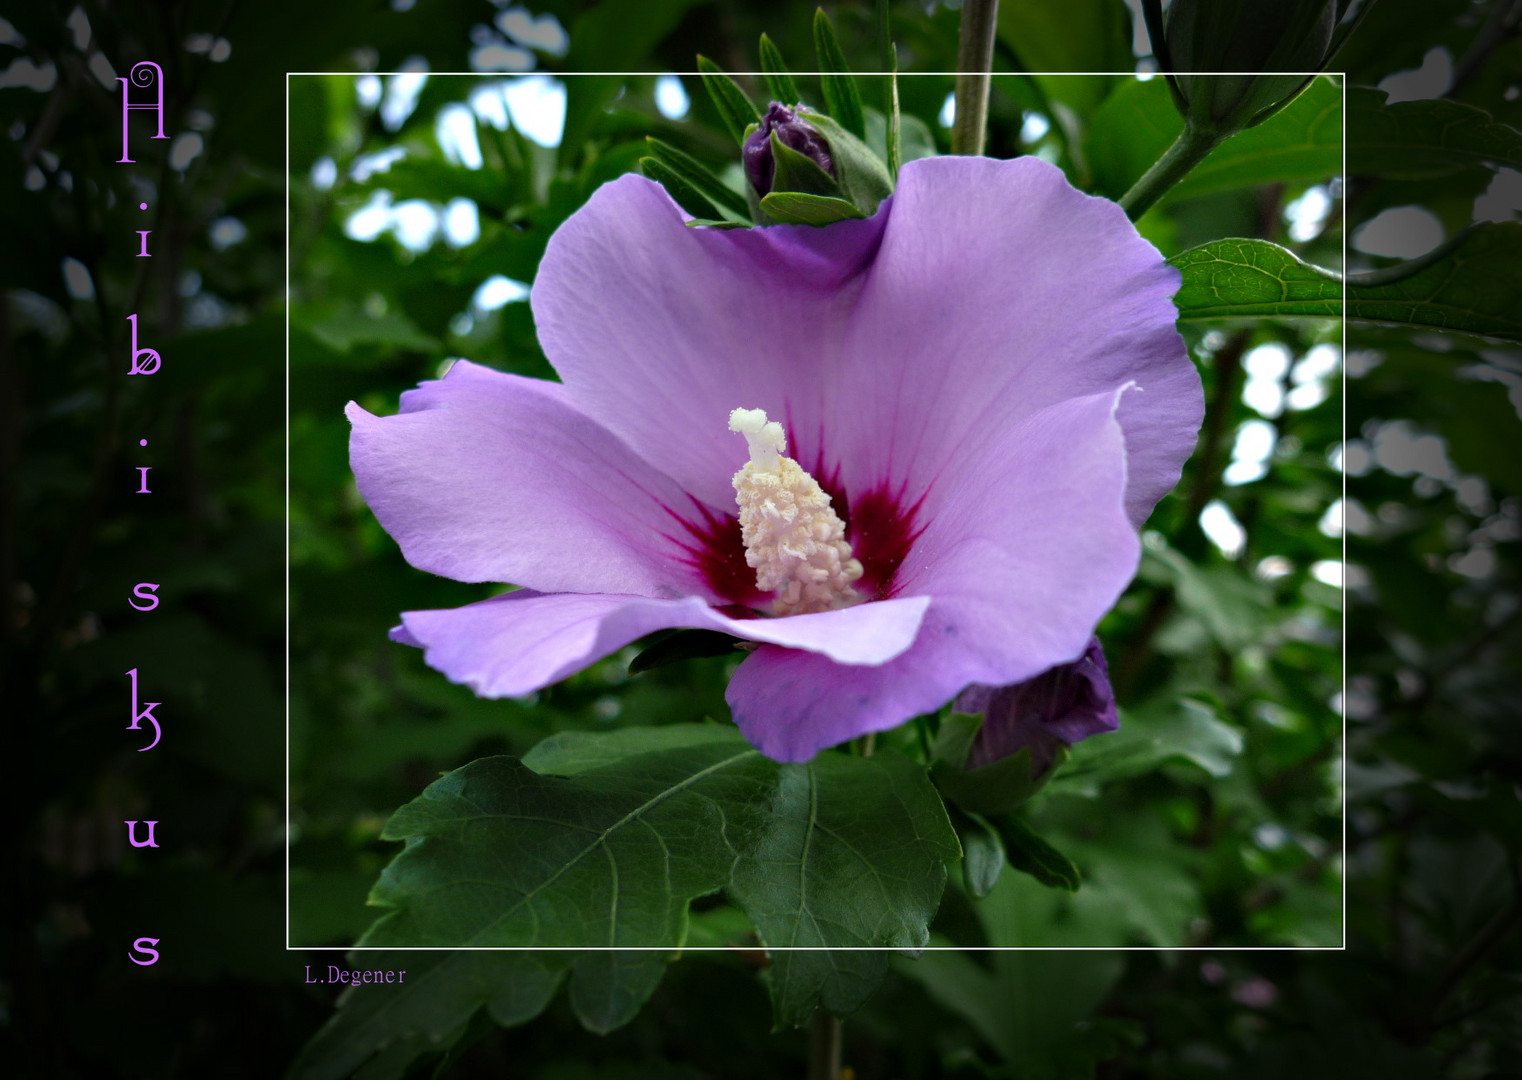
<point>983,855</point>
<point>999,787</point>
<point>953,740</point>
<point>796,172</point>
<point>684,644</point>
<point>715,223</point>
<point>734,107</point>
<point>687,197</point>
<point>841,96</point>
<point>701,177</point>
<point>801,208</point>
<point>779,81</point>
<point>1032,855</point>
<point>861,174</point>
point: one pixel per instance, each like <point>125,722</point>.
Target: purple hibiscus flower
<point>981,390</point>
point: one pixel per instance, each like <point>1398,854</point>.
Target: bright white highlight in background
<point>1328,571</point>
<point>534,104</point>
<point>1255,444</point>
<point>225,232</point>
<point>537,106</point>
<point>368,89</point>
<point>456,134</point>
<point>671,97</point>
<point>1430,80</point>
<point>415,224</point>
<point>1222,527</point>
<point>462,223</point>
<point>370,220</point>
<point>496,291</point>
<point>1307,214</point>
<point>1266,366</point>
<point>542,32</point>
<point>1033,128</point>
<point>402,91</point>
<point>1402,232</point>
<point>76,279</point>
<point>185,149</point>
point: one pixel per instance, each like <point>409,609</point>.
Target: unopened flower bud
<point>1048,713</point>
<point>793,132</point>
<point>1267,50</point>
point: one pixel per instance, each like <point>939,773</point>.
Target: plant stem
<point>975,59</point>
<point>1187,151</point>
<point>824,1046</point>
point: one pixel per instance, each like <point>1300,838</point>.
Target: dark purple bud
<point>1057,708</point>
<point>795,134</point>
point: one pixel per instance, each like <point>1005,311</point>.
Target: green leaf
<point>1029,1006</point>
<point>683,645</point>
<point>384,1027</point>
<point>688,197</point>
<point>1253,279</point>
<point>1032,855</point>
<point>1472,288</point>
<point>499,856</point>
<point>347,326</point>
<point>701,177</point>
<point>1233,607</point>
<point>736,110</point>
<point>800,208</point>
<point>1138,122</point>
<point>842,99</point>
<point>1159,877</point>
<point>1412,140</point>
<point>606,38</point>
<point>852,857</point>
<point>1069,36</point>
<point>570,753</point>
<point>844,853</point>
<point>779,81</point>
<point>1148,738</point>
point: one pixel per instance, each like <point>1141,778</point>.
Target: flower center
<point>794,540</point>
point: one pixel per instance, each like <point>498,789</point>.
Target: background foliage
<point>1212,820</point>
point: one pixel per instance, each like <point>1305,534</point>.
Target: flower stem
<point>975,59</point>
<point>824,1046</point>
<point>1187,151</point>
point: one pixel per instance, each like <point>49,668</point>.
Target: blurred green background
<point>1214,819</point>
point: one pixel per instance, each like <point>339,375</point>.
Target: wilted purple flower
<point>1063,705</point>
<point>793,132</point>
<point>983,378</point>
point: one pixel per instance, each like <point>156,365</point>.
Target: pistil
<point>794,540</point>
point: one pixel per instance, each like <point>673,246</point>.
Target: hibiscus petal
<point>1023,554</point>
<point>660,330</point>
<point>522,641</point>
<point>999,289</point>
<point>490,477</point>
<point>981,291</point>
